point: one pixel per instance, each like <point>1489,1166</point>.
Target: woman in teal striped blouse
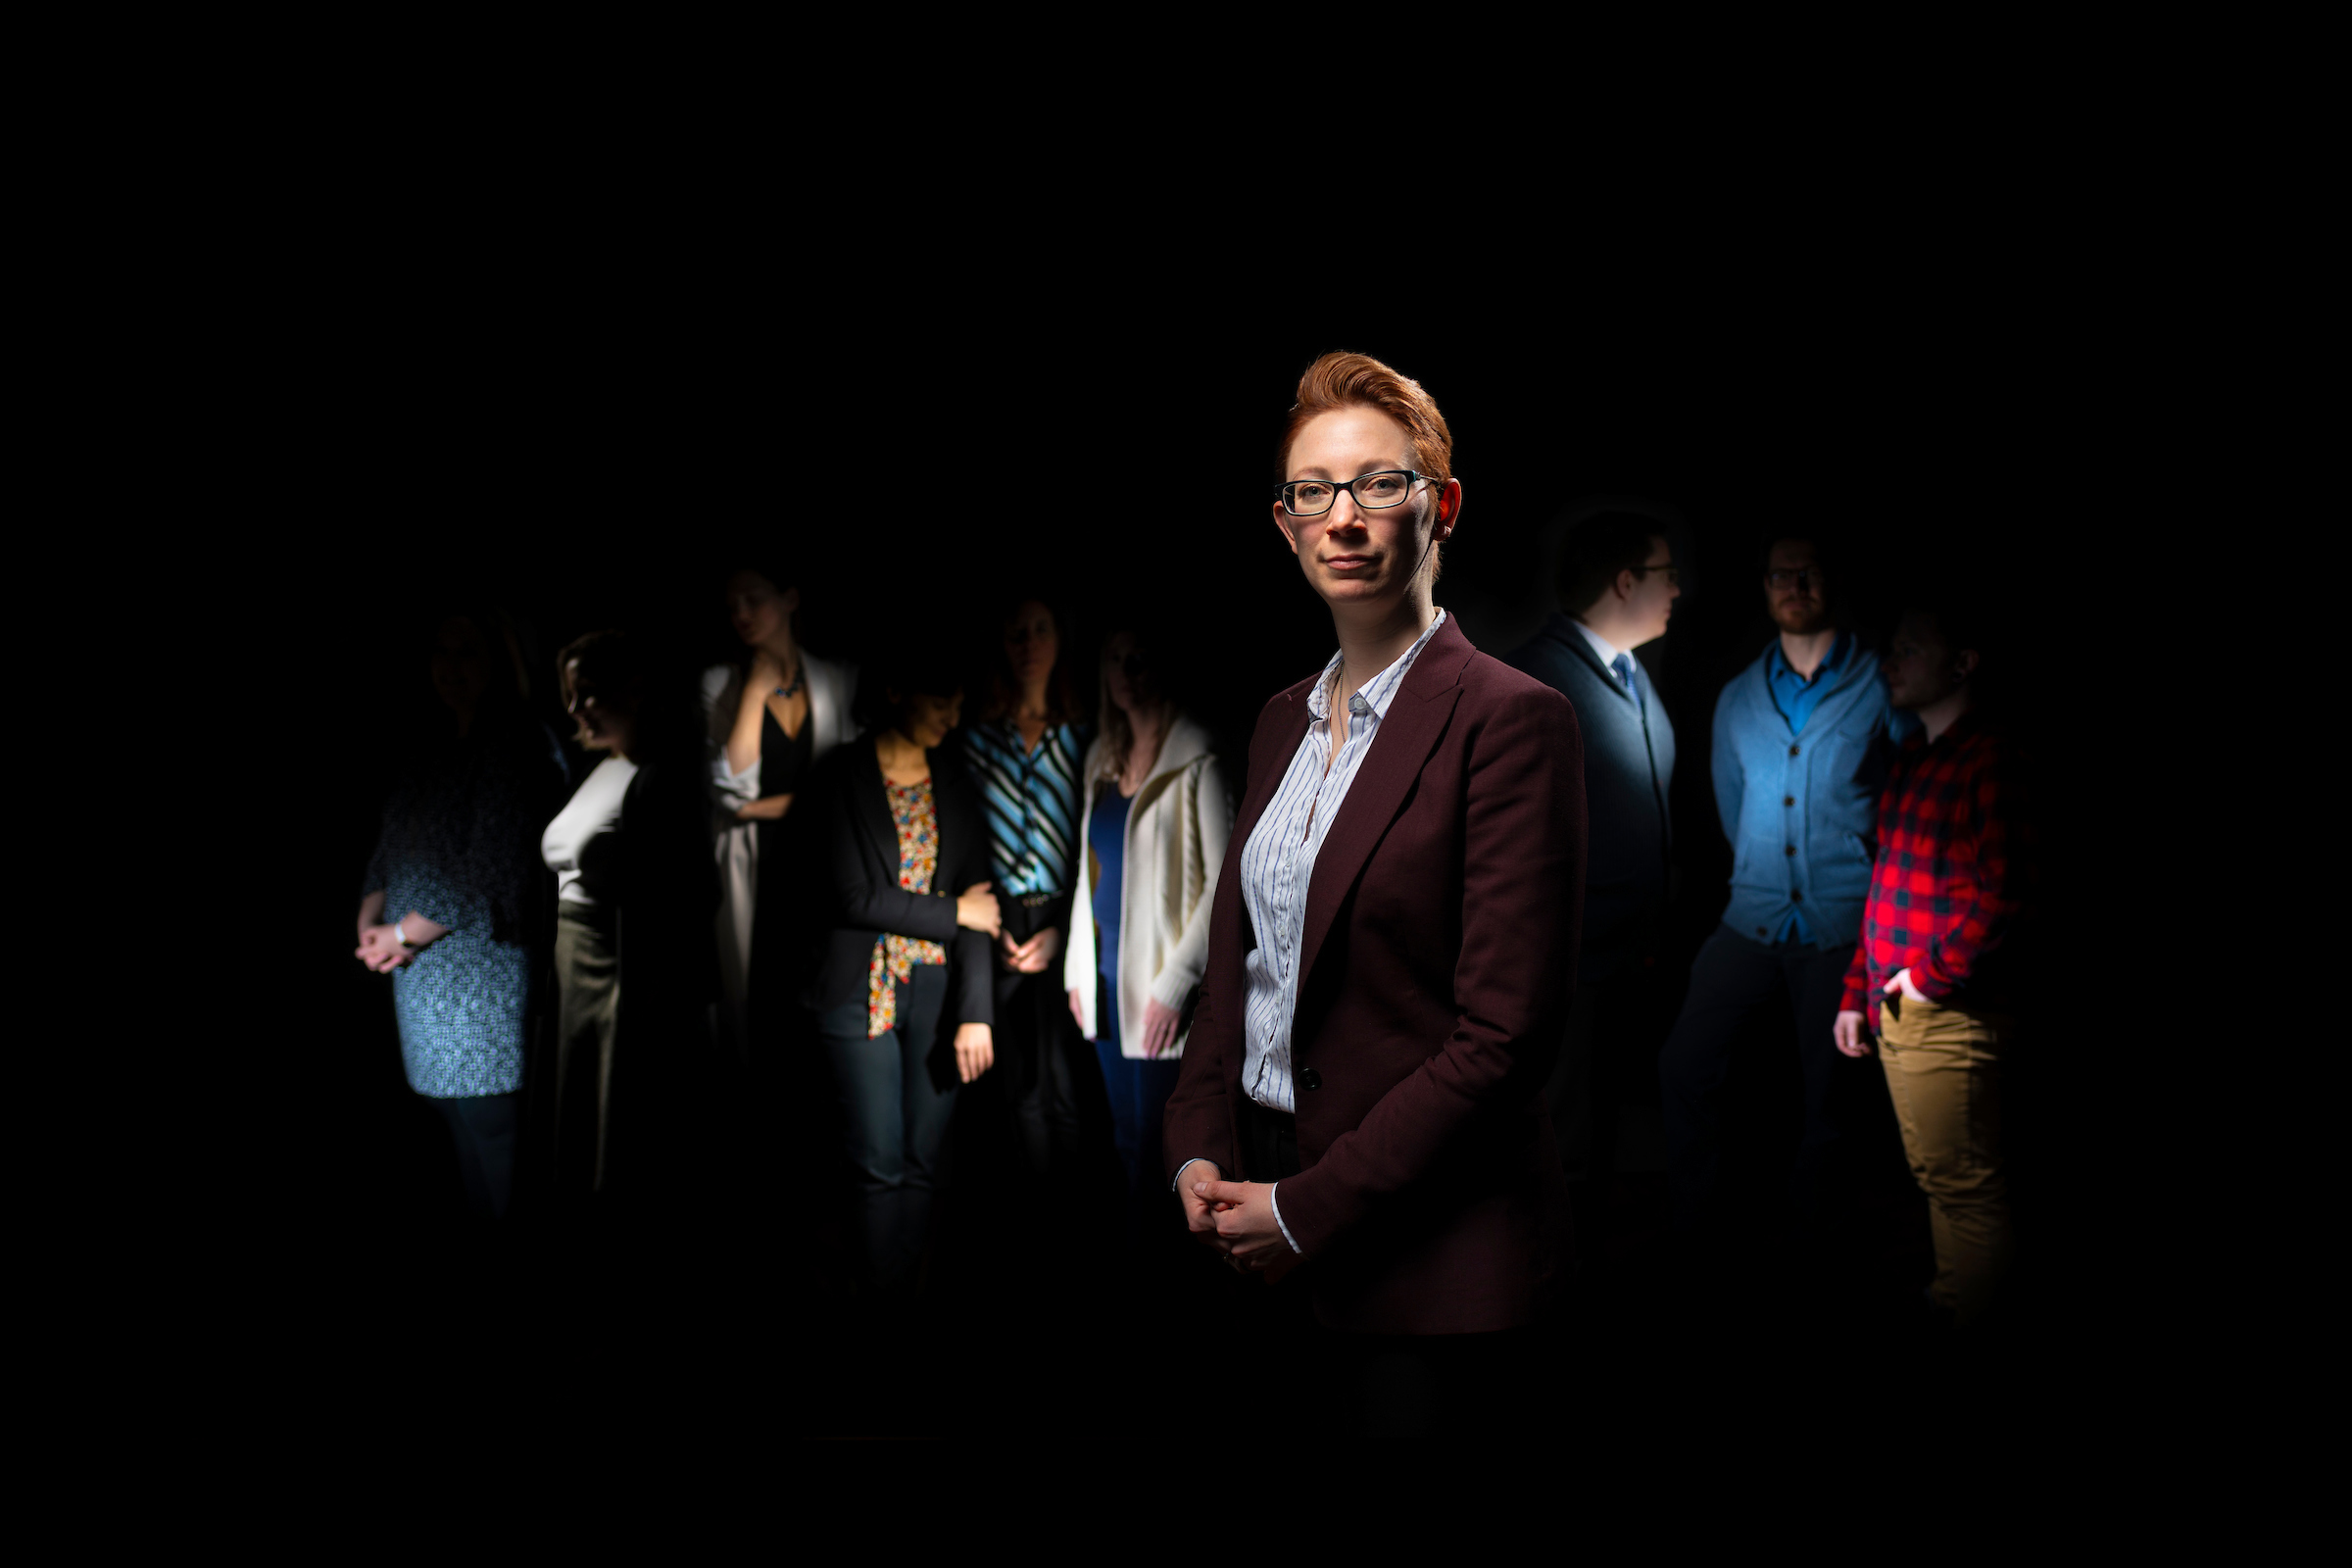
<point>1024,754</point>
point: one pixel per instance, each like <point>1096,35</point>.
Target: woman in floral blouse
<point>901,992</point>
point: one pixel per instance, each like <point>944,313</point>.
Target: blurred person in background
<point>1024,756</point>
<point>1802,741</point>
<point>1952,883</point>
<point>635,962</point>
<point>902,994</point>
<point>450,905</point>
<point>1617,587</point>
<point>773,714</point>
<point>1157,817</point>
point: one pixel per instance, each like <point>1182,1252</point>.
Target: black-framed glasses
<point>1311,497</point>
<point>1674,578</point>
<point>1808,577</point>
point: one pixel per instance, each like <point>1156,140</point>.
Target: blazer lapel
<point>1409,732</point>
<point>1573,640</point>
<point>873,814</point>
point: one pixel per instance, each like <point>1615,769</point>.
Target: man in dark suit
<point>1617,586</point>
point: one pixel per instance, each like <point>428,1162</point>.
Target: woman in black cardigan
<point>902,997</point>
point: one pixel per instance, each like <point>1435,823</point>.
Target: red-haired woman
<point>1391,942</point>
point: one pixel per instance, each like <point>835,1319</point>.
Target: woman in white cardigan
<point>770,720</point>
<point>1154,819</point>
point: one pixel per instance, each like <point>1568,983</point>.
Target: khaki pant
<point>1943,1069</point>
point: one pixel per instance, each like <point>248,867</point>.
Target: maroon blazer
<point>1439,951</point>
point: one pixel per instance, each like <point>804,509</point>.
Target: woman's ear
<point>1449,506</point>
<point>1290,533</point>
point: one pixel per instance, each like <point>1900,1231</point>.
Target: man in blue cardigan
<point>1803,739</point>
<point>1617,586</point>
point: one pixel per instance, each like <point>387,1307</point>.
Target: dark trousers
<point>892,1094</point>
<point>1039,1050</point>
<point>587,1020</point>
<point>483,1128</point>
<point>1730,980</point>
<point>1378,1388</point>
<point>1139,1092</point>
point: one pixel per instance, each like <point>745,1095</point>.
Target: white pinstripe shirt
<point>1278,864</point>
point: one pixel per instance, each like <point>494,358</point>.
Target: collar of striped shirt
<point>1380,690</point>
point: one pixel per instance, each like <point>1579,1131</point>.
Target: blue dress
<point>459,846</point>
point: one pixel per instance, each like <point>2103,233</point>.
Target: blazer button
<point>1788,800</point>
<point>1791,751</point>
<point>1309,1078</point>
<point>1789,850</point>
<point>1797,897</point>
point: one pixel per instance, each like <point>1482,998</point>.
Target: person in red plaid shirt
<point>1947,889</point>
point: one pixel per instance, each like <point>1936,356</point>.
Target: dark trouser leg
<point>1138,1094</point>
<point>1033,1031</point>
<point>1729,978</point>
<point>1122,1084</point>
<point>927,1085</point>
<point>483,1129</point>
<point>1118,1081</point>
<point>587,1015</point>
<point>871,1122</point>
<point>1816,981</point>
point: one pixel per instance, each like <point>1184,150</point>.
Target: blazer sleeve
<point>1212,827</point>
<point>1522,893</point>
<point>863,902</point>
<point>968,854</point>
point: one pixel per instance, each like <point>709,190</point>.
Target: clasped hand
<point>1236,1220</point>
<point>1030,957</point>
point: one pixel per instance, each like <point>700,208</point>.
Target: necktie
<point>1623,665</point>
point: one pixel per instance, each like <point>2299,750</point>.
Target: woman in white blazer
<point>770,718</point>
<point>1155,821</point>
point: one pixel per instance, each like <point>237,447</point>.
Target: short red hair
<point>1360,382</point>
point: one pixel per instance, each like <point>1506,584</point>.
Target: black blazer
<point>853,856</point>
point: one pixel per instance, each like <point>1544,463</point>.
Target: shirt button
<point>1309,1078</point>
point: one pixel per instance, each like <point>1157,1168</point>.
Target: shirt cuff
<point>1278,1224</point>
<point>1176,1183</point>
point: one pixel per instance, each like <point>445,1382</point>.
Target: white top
<point>1177,828</point>
<point>579,846</point>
